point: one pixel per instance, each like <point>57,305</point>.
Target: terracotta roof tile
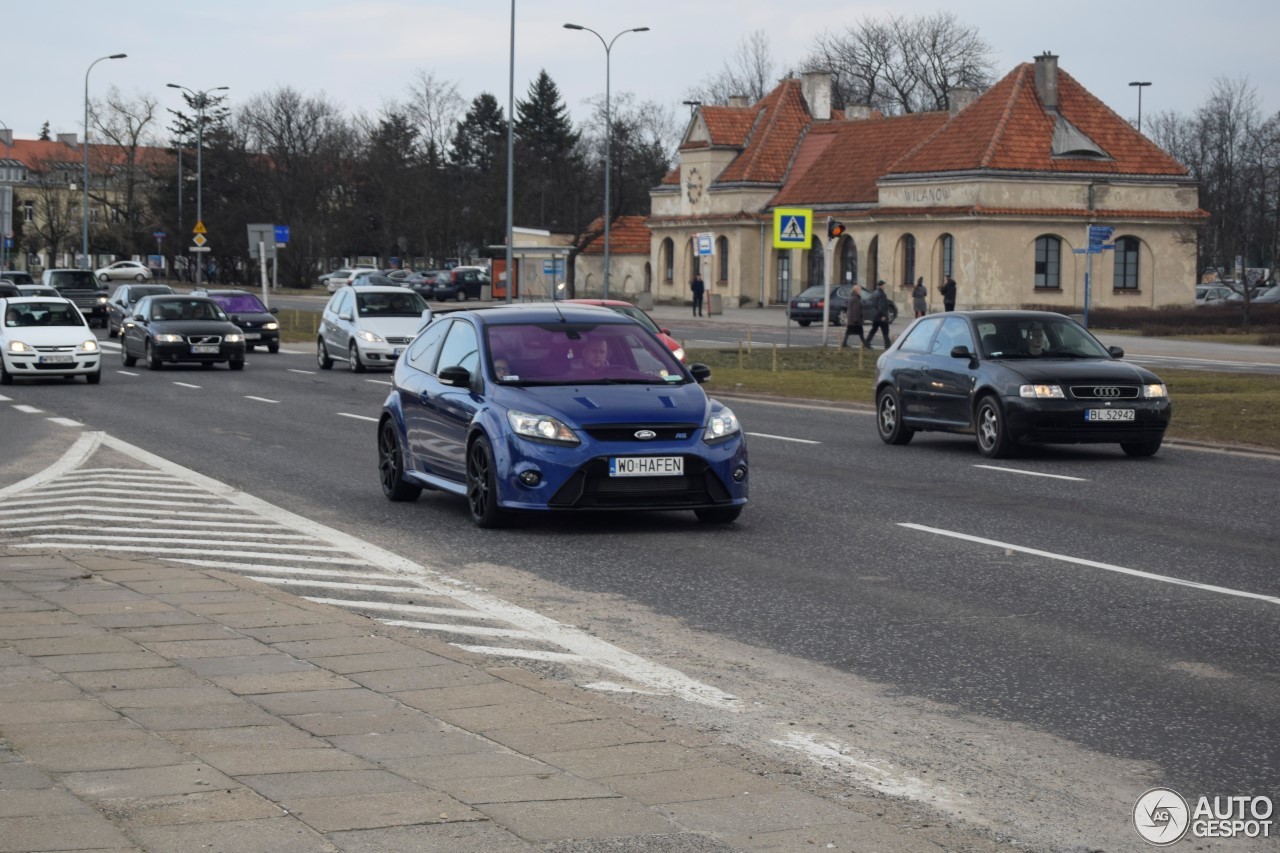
<point>37,155</point>
<point>779,127</point>
<point>729,125</point>
<point>628,235</point>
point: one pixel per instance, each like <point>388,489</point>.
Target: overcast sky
<point>363,54</point>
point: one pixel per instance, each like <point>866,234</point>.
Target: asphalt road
<point>1043,594</point>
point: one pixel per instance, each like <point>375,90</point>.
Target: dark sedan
<point>1014,377</point>
<point>807,307</point>
<point>257,321</point>
<point>124,299</point>
<point>170,329</point>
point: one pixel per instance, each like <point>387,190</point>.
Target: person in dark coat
<point>919,298</point>
<point>696,289</point>
<point>948,294</point>
<point>853,318</point>
<point>879,309</point>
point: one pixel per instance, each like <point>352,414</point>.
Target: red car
<point>623,307</point>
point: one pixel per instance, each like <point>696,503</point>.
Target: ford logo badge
<point>645,434</point>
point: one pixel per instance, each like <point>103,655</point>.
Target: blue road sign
<point>282,233</point>
<point>1099,234</point>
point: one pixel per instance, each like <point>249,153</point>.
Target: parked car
<point>257,321</point>
<point>1270,296</point>
<point>627,309</point>
<point>167,329</point>
<point>1013,377</point>
<point>121,304</point>
<point>369,326</point>
<point>132,270</point>
<point>80,286</point>
<point>16,277</point>
<point>341,277</point>
<point>1215,294</point>
<point>426,288</point>
<point>543,407</point>
<point>44,336</point>
<point>404,278</point>
<point>464,283</point>
<point>7,289</point>
<point>807,307</point>
<point>371,278</point>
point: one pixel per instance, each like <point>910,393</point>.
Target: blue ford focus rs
<point>557,407</point>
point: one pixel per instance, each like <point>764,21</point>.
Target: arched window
<point>1048,263</point>
<point>666,257</point>
<point>873,262</point>
<point>817,265</point>
<point>783,279</point>
<point>848,261</point>
<point>948,255</point>
<point>648,278</point>
<point>1126,271</point>
<point>722,259</point>
<point>908,259</point>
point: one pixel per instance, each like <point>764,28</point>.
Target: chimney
<point>815,86</point>
<point>739,101</point>
<point>959,98</point>
<point>857,112</point>
<point>6,136</point>
<point>1047,80</point>
<point>67,139</point>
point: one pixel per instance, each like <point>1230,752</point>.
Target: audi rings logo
<point>1106,391</point>
<point>645,434</point>
<point>1161,816</point>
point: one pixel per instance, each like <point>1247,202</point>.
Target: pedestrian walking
<point>948,294</point>
<point>697,288</point>
<point>919,298</point>
<point>879,314</point>
<point>853,318</point>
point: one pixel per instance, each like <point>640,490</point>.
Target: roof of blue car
<point>548,312</point>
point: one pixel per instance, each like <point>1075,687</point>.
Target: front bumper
<point>36,364</point>
<point>1063,421</point>
<point>175,353</point>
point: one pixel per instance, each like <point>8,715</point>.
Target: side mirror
<point>345,315</point>
<point>1116,352</point>
<point>963,352</point>
<point>426,316</point>
<point>457,376</point>
<point>271,309</point>
<point>139,318</point>
<point>701,373</point>
<point>235,318</point>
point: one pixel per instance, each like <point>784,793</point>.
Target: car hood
<point>255,317</point>
<point>193,327</point>
<point>611,404</point>
<point>49,336</point>
<point>396,327</point>
<point>1051,370</point>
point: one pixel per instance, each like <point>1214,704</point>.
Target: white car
<point>342,277</point>
<point>45,336</point>
<point>120,270</point>
<point>369,326</point>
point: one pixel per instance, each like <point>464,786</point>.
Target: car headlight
<point>540,427</point>
<point>1155,391</point>
<point>169,339</point>
<point>270,327</point>
<point>368,337</point>
<point>19,346</point>
<point>90,345</point>
<point>234,338</point>
<point>1053,392</point>
<point>723,424</point>
<point>102,300</point>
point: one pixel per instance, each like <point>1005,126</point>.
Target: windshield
<point>73,280</point>
<point>240,303</point>
<point>560,354</point>
<point>1037,337</point>
<point>812,293</point>
<point>405,304</point>
<point>58,313</point>
<point>186,309</point>
<point>136,293</point>
<point>636,314</point>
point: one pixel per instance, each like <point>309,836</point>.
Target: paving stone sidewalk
<point>151,707</point>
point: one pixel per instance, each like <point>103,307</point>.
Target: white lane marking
<point>1208,362</point>
<point>356,587</point>
<point>170,540</point>
<point>76,454</point>
<point>178,531</point>
<point>296,370</point>
<point>128,373</point>
<point>64,519</point>
<point>378,381</point>
<point>66,422</point>
<point>288,570</point>
<point>783,438</point>
<point>525,654</point>
<point>187,385</point>
<point>4,399</point>
<point>357,417</point>
<point>259,399</point>
<point>30,410</point>
<point>400,608</point>
<point>295,352</point>
<point>454,628</point>
<point>1031,473</point>
<point>163,490</point>
<point>1137,573</point>
<point>167,552</point>
<point>117,503</point>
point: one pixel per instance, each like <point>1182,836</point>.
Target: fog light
<point>531,478</point>
<point>739,474</point>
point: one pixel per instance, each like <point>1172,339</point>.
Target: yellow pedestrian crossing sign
<point>792,227</point>
<point>199,229</point>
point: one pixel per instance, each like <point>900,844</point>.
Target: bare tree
<point>129,164</point>
<point>436,107</point>
<point>749,71</point>
<point>57,208</point>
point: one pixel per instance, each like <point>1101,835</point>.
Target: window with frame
<point>28,211</point>
<point>921,335</point>
<point>948,255</point>
<point>848,261</point>
<point>908,259</point>
<point>422,352</point>
<point>668,261</point>
<point>460,348</point>
<point>1048,271</point>
<point>722,254</point>
<point>1125,276</point>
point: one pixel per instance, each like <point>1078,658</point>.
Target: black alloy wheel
<point>482,487</point>
<point>273,347</point>
<point>236,364</point>
<point>991,430</point>
<point>889,418</point>
<point>391,466</point>
<point>322,355</point>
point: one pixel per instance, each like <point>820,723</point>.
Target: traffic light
<point>834,229</point>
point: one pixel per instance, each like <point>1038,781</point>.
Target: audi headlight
<point>1052,392</point>
<point>169,339</point>
<point>722,424</point>
<point>1154,392</point>
<point>19,346</point>
<point>368,337</point>
<point>270,327</point>
<point>540,427</point>
<point>90,345</point>
<point>234,338</point>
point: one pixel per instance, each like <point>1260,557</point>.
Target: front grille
<point>591,487</point>
<point>399,341</point>
<point>1104,392</point>
<point>53,349</point>
<point>627,432</point>
<point>204,339</point>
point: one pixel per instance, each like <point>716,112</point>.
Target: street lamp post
<point>84,205</point>
<point>608,133</point>
<point>1141,86</point>
<point>201,99</point>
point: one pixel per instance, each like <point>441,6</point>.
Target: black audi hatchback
<point>171,329</point>
<point>1016,377</point>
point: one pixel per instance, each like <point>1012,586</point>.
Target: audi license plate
<point>204,349</point>
<point>1095,415</point>
<point>57,359</point>
<point>646,466</point>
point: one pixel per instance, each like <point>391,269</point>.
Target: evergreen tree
<point>479,158</point>
<point>545,157</point>
<point>44,132</point>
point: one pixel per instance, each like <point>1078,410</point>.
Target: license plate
<point>1095,415</point>
<point>204,349</point>
<point>57,359</point>
<point>802,304</point>
<point>252,336</point>
<point>395,353</point>
<point>646,466</point>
